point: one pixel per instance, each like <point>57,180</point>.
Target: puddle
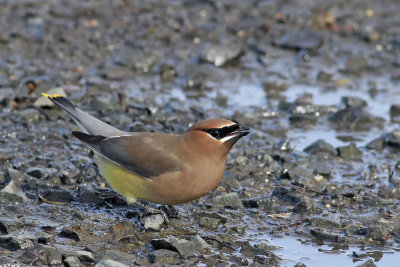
<point>296,249</point>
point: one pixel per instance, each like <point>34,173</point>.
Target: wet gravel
<point>314,80</point>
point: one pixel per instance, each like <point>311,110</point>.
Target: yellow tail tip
<point>51,96</point>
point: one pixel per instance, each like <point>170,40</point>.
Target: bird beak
<point>243,131</point>
<point>240,132</point>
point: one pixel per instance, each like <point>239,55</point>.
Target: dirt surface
<point>315,184</point>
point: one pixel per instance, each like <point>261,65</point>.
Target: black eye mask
<point>219,133</point>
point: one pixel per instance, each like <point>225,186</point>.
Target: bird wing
<point>148,155</point>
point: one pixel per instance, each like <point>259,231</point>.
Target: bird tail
<point>84,120</point>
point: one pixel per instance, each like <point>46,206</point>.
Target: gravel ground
<point>315,80</point>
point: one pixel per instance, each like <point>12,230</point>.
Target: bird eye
<point>214,133</point>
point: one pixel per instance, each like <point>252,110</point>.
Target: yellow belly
<point>125,182</point>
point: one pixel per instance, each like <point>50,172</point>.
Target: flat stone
<point>110,263</point>
<point>377,144</point>
<point>83,256</point>
<point>301,39</point>
<point>116,255</point>
<point>12,193</point>
<point>209,223</point>
<point>355,118</point>
<point>184,247</point>
<point>352,101</point>
<point>8,225</point>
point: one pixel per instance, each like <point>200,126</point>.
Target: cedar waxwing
<point>163,168</point>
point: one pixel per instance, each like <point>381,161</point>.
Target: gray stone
<point>327,235</point>
<point>221,54</point>
<point>184,247</point>
<point>301,39</point>
<point>230,200</point>
<point>321,147</point>
<point>8,225</point>
<point>41,255</point>
<point>36,172</point>
<point>300,264</point>
<point>209,223</point>
<point>355,118</point>
<point>306,205</point>
<point>164,256</point>
<point>350,151</point>
<point>393,138</point>
<point>72,261</point>
<point>137,59</point>
<point>30,114</point>
<point>14,175</point>
<point>377,144</point>
<point>83,256</point>
<point>201,244</point>
<point>110,263</point>
<point>43,101</point>
<point>154,222</point>
<point>12,193</point>
<point>318,221</point>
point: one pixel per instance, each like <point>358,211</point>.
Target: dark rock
<point>377,144</point>
<point>284,194</point>
<point>91,197</point>
<point>164,256</point>
<point>352,101</point>
<point>69,233</point>
<point>393,138</point>
<point>15,241</point>
<point>378,231</point>
<point>12,193</point>
<point>355,118</point>
<point>110,263</point>
<point>36,172</point>
<point>72,261</point>
<point>230,200</point>
<point>268,204</point>
<point>55,195</point>
<point>221,54</point>
<point>350,152</point>
<point>153,222</point>
<point>301,172</point>
<point>322,169</point>
<point>300,264</point>
<point>395,112</point>
<point>301,39</point>
<point>306,205</point>
<point>321,147</point>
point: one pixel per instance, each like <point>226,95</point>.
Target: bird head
<point>219,134</point>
